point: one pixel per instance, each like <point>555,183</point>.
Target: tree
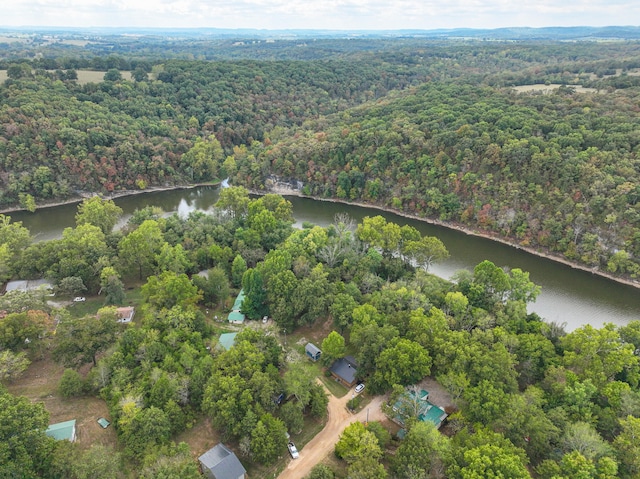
<point>404,362</point>
<point>71,384</point>
<point>112,286</point>
<point>255,299</point>
<point>268,439</point>
<point>113,74</point>
<point>320,471</point>
<point>627,447</point>
<point>79,341</point>
<point>491,461</point>
<point>172,258</point>
<point>238,268</point>
<point>421,453</point>
<point>71,286</point>
<point>101,213</point>
<point>291,413</point>
<point>24,447</point>
<point>598,354</point>
<point>12,365</point>
<point>366,467</point>
<point>332,347</point>
<point>356,443</point>
<point>426,251</point>
<point>215,287</point>
<point>235,201</point>
<point>140,247</point>
<point>170,289</point>
<point>170,462</point>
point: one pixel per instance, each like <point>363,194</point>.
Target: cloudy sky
<point>320,14</point>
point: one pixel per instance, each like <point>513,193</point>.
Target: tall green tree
<point>98,212</point>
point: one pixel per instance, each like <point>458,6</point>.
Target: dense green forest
<point>530,400</point>
<point>427,127</point>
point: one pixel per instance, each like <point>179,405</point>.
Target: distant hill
<point>509,33</point>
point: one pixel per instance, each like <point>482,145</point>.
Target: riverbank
<point>112,196</point>
<point>284,191</point>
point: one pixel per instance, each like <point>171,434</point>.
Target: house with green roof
<point>415,403</point>
<point>62,430</point>
<point>235,316</point>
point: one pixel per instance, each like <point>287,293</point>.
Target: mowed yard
<point>40,384</point>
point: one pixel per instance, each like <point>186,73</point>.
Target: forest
<point>528,398</point>
<point>429,127</point>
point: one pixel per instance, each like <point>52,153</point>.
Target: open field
<point>84,76</point>
<point>549,88</point>
<point>40,384</point>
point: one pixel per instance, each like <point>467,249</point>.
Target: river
<point>568,295</point>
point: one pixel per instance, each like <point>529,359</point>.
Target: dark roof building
<point>221,463</point>
<point>345,370</point>
<point>313,351</point>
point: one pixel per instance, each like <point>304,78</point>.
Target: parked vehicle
<point>293,451</point>
<point>79,299</point>
<point>359,388</point>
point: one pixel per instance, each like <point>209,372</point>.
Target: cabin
<point>61,431</point>
<point>414,403</point>
<point>125,314</point>
<point>312,351</point>
<point>235,316</point>
<point>220,462</point>
<point>345,370</point>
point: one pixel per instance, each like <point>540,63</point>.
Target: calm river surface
<point>568,295</point>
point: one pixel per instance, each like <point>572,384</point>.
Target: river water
<point>568,295</point>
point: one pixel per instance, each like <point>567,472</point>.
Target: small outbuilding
<point>125,314</point>
<point>313,351</point>
<point>220,462</point>
<point>345,370</point>
<point>62,430</point>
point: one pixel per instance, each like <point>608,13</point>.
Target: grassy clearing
<point>40,384</point>
<point>90,76</point>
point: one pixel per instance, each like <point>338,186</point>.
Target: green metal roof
<point>227,340</point>
<point>238,302</point>
<point>62,430</point>
<point>103,422</point>
<point>236,317</point>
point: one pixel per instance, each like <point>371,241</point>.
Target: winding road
<point>339,417</point>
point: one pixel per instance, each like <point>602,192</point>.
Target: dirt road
<point>321,445</point>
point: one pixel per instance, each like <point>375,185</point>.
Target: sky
<point>319,14</point>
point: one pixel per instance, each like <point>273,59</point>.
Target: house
<point>313,351</point>
<point>345,370</point>
<point>125,314</point>
<point>414,403</point>
<point>62,430</point>
<point>235,316</point>
<point>221,463</point>
<point>227,340</point>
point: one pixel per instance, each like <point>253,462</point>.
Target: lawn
<point>40,384</point>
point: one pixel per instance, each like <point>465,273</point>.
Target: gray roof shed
<point>313,351</point>
<point>220,462</point>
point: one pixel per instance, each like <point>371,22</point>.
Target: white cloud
<point>332,14</point>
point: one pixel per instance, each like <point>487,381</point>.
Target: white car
<point>293,451</point>
<point>79,299</point>
<point>359,388</point>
